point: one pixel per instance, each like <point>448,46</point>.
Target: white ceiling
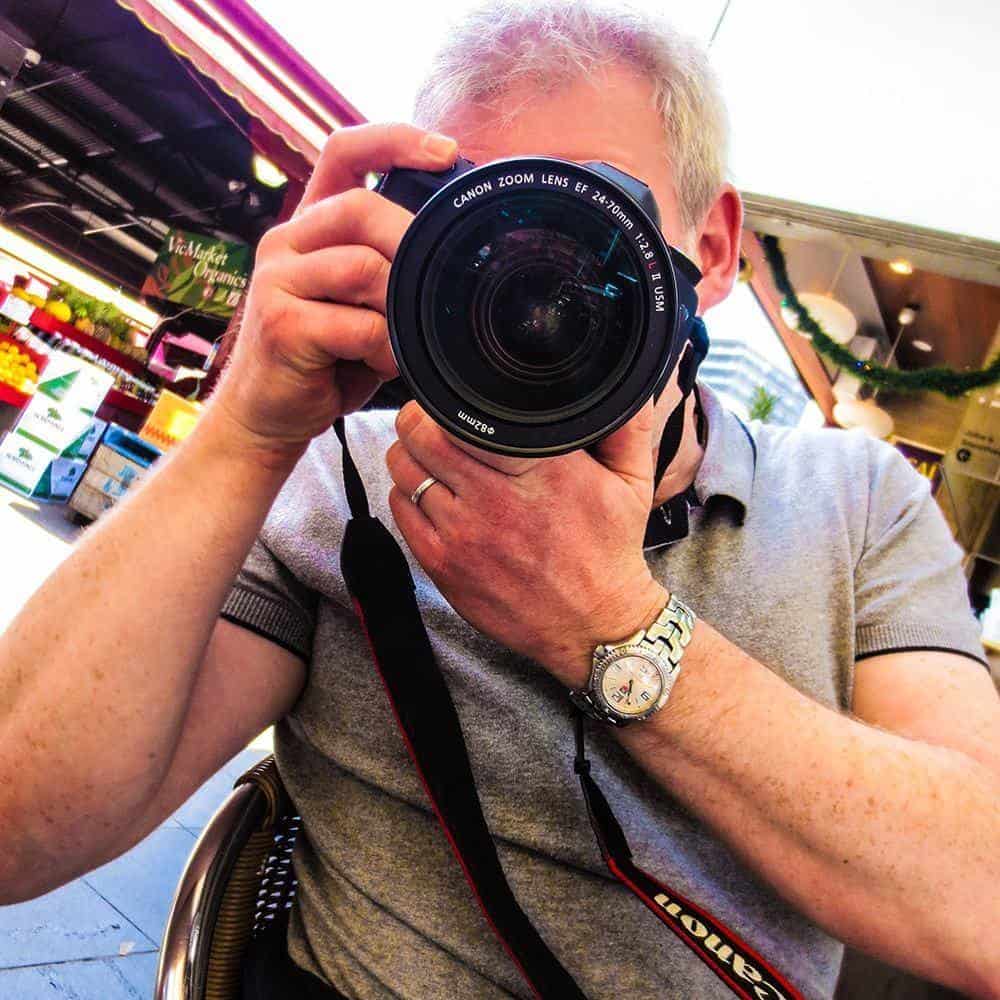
<point>875,107</point>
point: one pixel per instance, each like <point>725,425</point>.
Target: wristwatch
<point>631,680</point>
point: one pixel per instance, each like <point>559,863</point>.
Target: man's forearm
<point>97,669</point>
<point>886,842</point>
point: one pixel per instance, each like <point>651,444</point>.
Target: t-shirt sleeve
<point>269,600</point>
<point>910,590</point>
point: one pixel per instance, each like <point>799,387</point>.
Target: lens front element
<point>534,306</point>
<point>532,319</point>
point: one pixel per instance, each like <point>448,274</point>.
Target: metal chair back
<point>238,879</point>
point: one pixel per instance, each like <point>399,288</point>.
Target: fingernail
<point>439,145</point>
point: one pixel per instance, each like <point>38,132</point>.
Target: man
<point>826,767</point>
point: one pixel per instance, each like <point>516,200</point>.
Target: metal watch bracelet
<point>666,638</point>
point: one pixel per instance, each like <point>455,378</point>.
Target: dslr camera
<point>533,304</point>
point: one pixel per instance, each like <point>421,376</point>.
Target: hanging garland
<point>939,379</point>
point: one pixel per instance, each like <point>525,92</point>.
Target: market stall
<point>128,224</point>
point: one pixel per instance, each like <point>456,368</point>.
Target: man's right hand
<point>314,344</point>
<point>106,727</point>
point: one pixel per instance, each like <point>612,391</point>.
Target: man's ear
<point>717,247</point>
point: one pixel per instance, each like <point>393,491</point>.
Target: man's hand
<point>314,344</point>
<point>545,557</point>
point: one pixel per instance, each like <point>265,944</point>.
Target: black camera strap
<point>687,372</point>
<point>381,586</point>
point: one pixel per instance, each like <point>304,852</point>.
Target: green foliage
<point>938,379</point>
<point>762,404</point>
<point>87,307</point>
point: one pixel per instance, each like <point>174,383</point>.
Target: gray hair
<point>547,43</point>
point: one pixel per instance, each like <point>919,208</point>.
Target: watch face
<point>631,684</point>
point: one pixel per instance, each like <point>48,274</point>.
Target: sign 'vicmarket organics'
<point>208,275</point>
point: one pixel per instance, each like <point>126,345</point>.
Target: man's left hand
<point>543,556</point>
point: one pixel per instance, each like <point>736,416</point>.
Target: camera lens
<point>533,320</point>
<point>533,302</point>
<point>533,306</point>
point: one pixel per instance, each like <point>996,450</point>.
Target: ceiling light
<point>267,173</point>
<point>836,319</point>
<point>922,345</point>
<point>901,266</point>
<point>55,269</point>
<point>865,414</point>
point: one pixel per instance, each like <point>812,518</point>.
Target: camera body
<point>533,304</point>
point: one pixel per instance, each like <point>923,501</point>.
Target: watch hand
<point>628,696</point>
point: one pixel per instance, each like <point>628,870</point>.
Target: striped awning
<point>230,43</point>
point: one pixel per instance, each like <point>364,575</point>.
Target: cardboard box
<point>111,463</point>
<point>52,423</point>
<point>84,445</point>
<point>170,421</point>
<point>66,473</point>
<point>23,462</point>
<point>60,479</point>
<point>110,486</point>
<point>89,502</point>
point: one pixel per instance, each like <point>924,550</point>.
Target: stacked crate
<point>119,461</point>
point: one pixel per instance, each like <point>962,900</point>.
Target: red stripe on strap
<point>720,969</point>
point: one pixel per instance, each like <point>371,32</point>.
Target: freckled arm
<point>98,669</point>
<point>888,840</point>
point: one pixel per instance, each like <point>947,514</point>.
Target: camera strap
<point>687,373</point>
<point>381,585</point>
<point>741,968</point>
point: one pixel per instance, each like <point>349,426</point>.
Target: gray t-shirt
<point>809,550</point>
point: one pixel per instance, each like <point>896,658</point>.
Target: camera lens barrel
<point>533,304</point>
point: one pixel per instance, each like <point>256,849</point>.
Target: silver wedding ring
<point>421,490</point>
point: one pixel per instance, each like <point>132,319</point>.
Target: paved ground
<point>34,538</point>
<point>98,937</point>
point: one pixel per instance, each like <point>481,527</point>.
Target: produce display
<point>125,381</point>
<point>99,319</point>
<point>18,368</point>
<point>34,329</point>
<point>59,309</point>
<point>20,292</point>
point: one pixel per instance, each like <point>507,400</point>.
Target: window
<point>746,354</point>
